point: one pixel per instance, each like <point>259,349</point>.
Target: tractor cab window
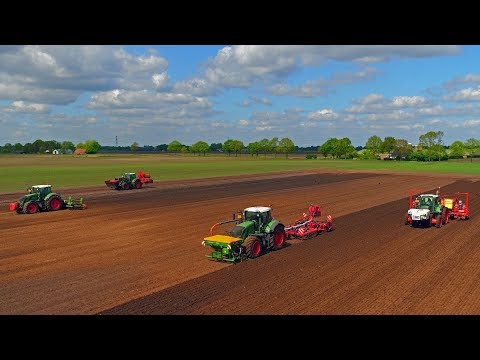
<point>426,201</point>
<point>250,215</point>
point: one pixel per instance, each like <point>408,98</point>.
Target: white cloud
<point>408,101</point>
<point>369,99</point>
<point>471,123</point>
<point>23,107</point>
<point>460,80</point>
<point>160,80</point>
<point>324,114</point>
<point>59,74</point>
<point>259,100</point>
<point>468,94</point>
<point>243,122</point>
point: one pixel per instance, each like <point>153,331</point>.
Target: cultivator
<point>74,204</point>
<point>307,226</point>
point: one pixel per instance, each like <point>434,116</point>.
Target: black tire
<point>19,210</point>
<point>126,186</point>
<point>252,247</point>
<point>438,221</point>
<point>55,203</point>
<point>137,184</point>
<point>278,237</point>
<point>30,207</point>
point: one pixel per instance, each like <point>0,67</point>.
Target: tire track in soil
<point>371,264</point>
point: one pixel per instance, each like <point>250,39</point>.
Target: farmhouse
<point>79,152</point>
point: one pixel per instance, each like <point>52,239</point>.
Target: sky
<point>155,94</point>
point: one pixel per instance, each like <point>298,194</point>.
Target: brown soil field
<point>140,252</point>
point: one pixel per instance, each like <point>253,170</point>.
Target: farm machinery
<point>308,226</point>
<point>436,209</point>
<point>41,198</point>
<point>129,181</point>
<point>256,231</point>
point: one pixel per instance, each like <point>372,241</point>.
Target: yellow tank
<point>448,203</point>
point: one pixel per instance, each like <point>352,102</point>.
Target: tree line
<point>40,146</point>
<point>430,147</point>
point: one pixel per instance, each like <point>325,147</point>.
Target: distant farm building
<point>79,152</point>
<point>56,152</point>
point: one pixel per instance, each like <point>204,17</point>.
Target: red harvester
<point>307,226</point>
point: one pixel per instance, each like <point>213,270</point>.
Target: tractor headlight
<point>229,247</point>
<point>203,242</point>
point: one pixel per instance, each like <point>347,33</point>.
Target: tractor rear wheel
<point>278,238</point>
<point>253,247</point>
<point>54,203</point>
<point>30,207</point>
<point>438,221</point>
<point>124,186</point>
<point>138,184</point>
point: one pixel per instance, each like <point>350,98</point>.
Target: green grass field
<point>18,172</point>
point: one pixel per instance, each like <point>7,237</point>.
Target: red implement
<point>307,226</point>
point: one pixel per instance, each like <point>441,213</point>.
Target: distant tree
<point>162,147</point>
<point>80,146</point>
<point>200,147</point>
<point>39,146</point>
<point>253,148</point>
<point>374,145</point>
<point>18,147</point>
<point>184,149</point>
<point>264,146</point>
<point>7,148</point>
<point>457,149</point>
<point>51,145</point>
<point>66,146</point>
<point>327,147</point>
<point>403,148</point>
<point>28,148</point>
<point>388,144</point>
<point>344,148</point>
<point>228,146</point>
<point>134,147</point>
<point>92,146</point>
<point>473,146</point>
<point>175,146</point>
<point>237,147</point>
<point>272,146</point>
<point>214,147</point>
<point>427,142</point>
<point>286,146</point>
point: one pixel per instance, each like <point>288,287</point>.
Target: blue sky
<point>309,93</point>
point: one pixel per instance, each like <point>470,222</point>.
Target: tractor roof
<point>430,195</point>
<point>260,209</point>
<point>41,186</point>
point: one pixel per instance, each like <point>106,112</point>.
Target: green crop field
<point>18,172</point>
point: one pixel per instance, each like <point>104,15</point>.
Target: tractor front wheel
<point>30,207</point>
<point>54,203</point>
<point>138,184</point>
<point>253,247</point>
<point>278,238</point>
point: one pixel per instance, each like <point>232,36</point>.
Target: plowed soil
<point>140,252</point>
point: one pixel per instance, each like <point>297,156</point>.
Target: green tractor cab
<point>255,232</point>
<point>41,198</point>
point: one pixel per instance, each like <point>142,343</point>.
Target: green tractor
<point>254,233</point>
<point>426,210</point>
<point>129,180</point>
<point>41,198</point>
